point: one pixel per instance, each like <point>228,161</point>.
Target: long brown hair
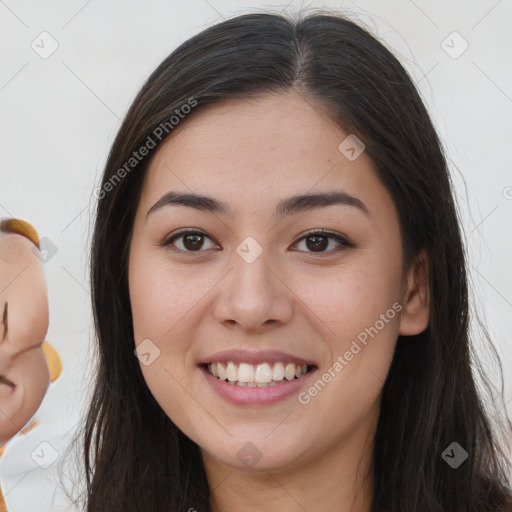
<point>136,459</point>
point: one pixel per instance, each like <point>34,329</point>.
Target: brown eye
<point>319,241</point>
<point>191,241</point>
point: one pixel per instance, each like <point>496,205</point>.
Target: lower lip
<point>242,395</point>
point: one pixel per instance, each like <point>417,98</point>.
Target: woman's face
<point>24,374</point>
<point>254,291</point>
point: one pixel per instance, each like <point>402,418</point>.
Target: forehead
<point>272,146</point>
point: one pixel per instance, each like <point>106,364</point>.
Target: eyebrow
<point>289,206</point>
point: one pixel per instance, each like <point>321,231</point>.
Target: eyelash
<point>344,243</point>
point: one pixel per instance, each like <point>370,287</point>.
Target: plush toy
<point>27,363</point>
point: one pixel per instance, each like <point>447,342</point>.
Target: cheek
<point>348,299</point>
<point>161,298</point>
<point>358,318</point>
<point>37,381</point>
<point>356,313</point>
<point>32,378</point>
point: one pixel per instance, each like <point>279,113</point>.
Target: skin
<point>251,154</point>
<point>22,332</point>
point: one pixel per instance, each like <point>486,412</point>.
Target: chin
<point>257,452</point>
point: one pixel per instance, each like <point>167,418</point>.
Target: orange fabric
<point>3,508</point>
<point>53,361</point>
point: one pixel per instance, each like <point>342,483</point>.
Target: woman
<point>276,241</point>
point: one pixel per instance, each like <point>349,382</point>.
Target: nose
<point>254,295</point>
<point>24,330</point>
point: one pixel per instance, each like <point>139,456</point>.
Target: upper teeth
<point>263,373</point>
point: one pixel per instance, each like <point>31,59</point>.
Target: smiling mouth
<point>258,375</point>
<point>7,382</point>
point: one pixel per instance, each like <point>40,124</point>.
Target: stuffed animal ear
<point>20,227</point>
<point>53,361</point>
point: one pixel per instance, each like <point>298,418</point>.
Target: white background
<point>59,116</point>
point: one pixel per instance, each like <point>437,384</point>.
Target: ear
<point>416,297</point>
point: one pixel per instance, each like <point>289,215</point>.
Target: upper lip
<point>245,356</point>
